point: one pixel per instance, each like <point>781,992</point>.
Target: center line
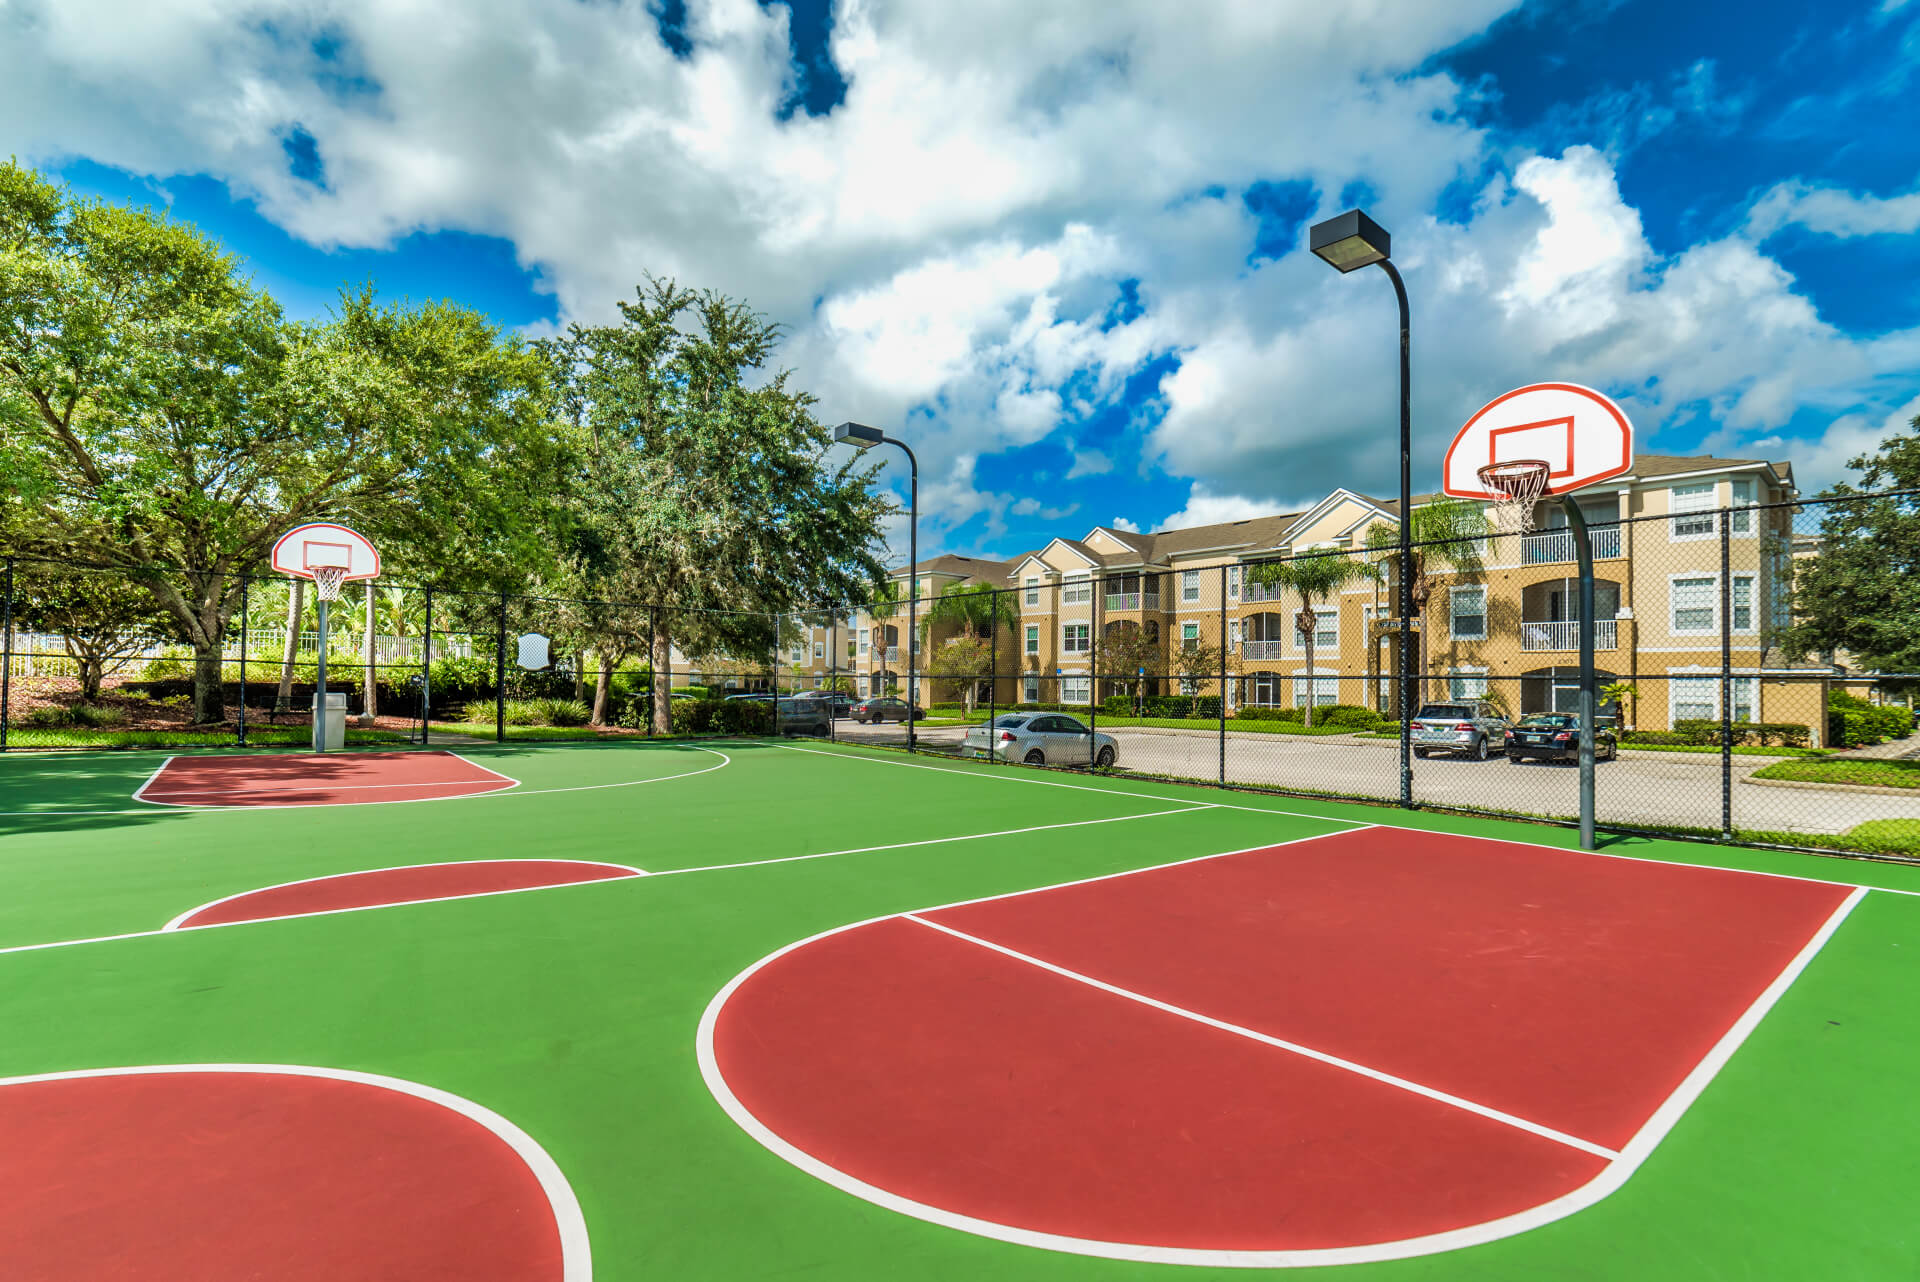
<point>1493,1114</point>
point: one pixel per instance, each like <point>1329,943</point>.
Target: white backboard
<point>306,548</point>
<point>1581,435</point>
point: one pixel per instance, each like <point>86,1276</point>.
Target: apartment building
<point>1503,624</point>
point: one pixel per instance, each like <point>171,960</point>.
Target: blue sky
<point>1062,247</point>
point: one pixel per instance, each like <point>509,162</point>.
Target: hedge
<point>1867,723</point>
<point>721,716</point>
<point>1702,731</point>
<point>1162,705</point>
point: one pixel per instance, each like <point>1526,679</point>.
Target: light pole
<point>860,436</point>
<point>1349,242</point>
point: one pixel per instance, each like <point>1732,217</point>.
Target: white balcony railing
<point>1261,650</point>
<point>1252,591</point>
<point>893,655</point>
<point>1565,635</point>
<point>1133,600</point>
<point>1551,547</point>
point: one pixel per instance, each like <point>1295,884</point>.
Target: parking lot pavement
<point>1641,788</point>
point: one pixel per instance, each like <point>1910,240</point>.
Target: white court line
<point>576,1253</point>
<point>1301,814</point>
<point>725,761</point>
<point>629,869</point>
<point>139,794</point>
<point>1351,1066</point>
<point>1616,1172</point>
<point>174,928</point>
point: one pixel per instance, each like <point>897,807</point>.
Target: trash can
<point>330,729</point>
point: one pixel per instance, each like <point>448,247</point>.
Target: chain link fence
<point>1279,673</point>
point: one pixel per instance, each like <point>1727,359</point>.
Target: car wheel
<point>1035,757</point>
<point>1480,749</point>
<point>1105,759</point>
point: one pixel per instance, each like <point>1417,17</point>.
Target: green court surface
<point>575,1011</point>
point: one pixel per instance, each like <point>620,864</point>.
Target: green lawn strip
<point>486,730</point>
<point>572,1013</point>
<point>1213,726</point>
<point>1878,774</point>
<point>260,736</point>
<point>1739,749</point>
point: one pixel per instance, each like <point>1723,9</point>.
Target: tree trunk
<point>296,599</point>
<point>371,705</point>
<point>93,670</point>
<point>1305,617</point>
<point>603,692</point>
<point>209,702</point>
<point>662,683</point>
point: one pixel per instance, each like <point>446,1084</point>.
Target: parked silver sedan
<point>1042,739</point>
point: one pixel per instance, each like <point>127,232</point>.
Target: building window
<point>1692,508</point>
<point>1233,634</point>
<point>1744,490</point>
<point>1469,613</point>
<point>864,687</point>
<point>1033,638</point>
<point>1189,685</point>
<point>1189,636</point>
<point>1743,603</point>
<point>1189,585</point>
<point>1033,591</point>
<point>1693,604</point>
<point>1233,583</point>
<point>1779,587</point>
<point>819,651</point>
<point>1320,691</point>
<point>1078,590</point>
<point>1264,690</point>
<point>1076,690</point>
<point>1029,689</point>
<point>1467,684</point>
<point>1326,629</point>
<point>866,639</point>
<point>1693,699</point>
<point>1076,638</point>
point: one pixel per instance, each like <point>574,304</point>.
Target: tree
<point>704,484</point>
<point>296,599</point>
<point>973,608</point>
<point>1196,662</point>
<point>1446,541</point>
<point>1314,575</point>
<point>1859,594</point>
<point>171,423</point>
<point>966,660</point>
<point>102,619</point>
<point>1131,653</point>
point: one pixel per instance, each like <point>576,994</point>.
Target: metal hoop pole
<point>244,585</point>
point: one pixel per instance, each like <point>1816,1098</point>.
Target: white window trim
<point>1312,682</point>
<point>1033,638</point>
<point>1085,681</point>
<point>1453,613</point>
<point>1711,677</point>
<point>1065,628</point>
<point>1189,636</point>
<point>1234,575</point>
<point>1753,602</point>
<point>1743,508</point>
<point>1032,587</point>
<point>1320,643</point>
<point>1029,689</point>
<point>1189,586</point>
<point>1076,588</point>
<point>1675,514</point>
<point>1467,672</point>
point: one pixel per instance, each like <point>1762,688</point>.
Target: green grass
<point>257,736</point>
<point>1878,774</point>
<point>572,1011</point>
<point>1233,725</point>
<point>529,734</point>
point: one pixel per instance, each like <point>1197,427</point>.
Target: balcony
<point>1251,591</point>
<point>1261,651</point>
<point>893,655</point>
<point>1133,601</point>
<point>1553,547</point>
<point>1565,635</point>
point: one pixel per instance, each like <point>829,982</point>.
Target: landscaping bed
<point>1871,774</point>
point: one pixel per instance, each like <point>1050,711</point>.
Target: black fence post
<point>6,654</point>
<point>1093,666</point>
<point>500,676</point>
<point>245,618</point>
<point>426,674</point>
<point>1223,676</point>
<point>993,665</point>
<point>833,674</point>
<point>653,678</point>
<point>1726,672</point>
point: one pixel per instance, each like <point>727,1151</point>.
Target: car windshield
<point>1551,720</point>
<point>1441,711</point>
<point>1011,723</point>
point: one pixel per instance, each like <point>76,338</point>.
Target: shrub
<point>742,716</point>
<point>168,667</point>
<point>457,678</point>
<point>1349,715</point>
<point>1698,731</point>
<point>692,716</point>
<point>1654,736</point>
<point>1265,714</point>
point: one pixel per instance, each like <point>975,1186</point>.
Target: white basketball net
<point>1520,483</point>
<point>328,580</point>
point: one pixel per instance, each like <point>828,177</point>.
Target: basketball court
<point>595,1013</point>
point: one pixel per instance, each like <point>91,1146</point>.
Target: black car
<point>804,716</point>
<point>1555,736</point>
<point>839,704</point>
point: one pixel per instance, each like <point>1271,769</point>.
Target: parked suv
<point>1464,727</point>
<point>1555,736</point>
<point>805,716</point>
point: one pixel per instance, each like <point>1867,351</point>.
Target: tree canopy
<point>1858,595</point>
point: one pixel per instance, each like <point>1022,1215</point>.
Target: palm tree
<point>1312,576</point>
<point>1447,535</point>
<point>976,609</point>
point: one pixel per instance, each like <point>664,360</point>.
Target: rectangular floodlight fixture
<point>1350,241</point>
<point>859,434</point>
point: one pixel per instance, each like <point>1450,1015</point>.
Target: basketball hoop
<point>1519,483</point>
<point>328,580</point>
